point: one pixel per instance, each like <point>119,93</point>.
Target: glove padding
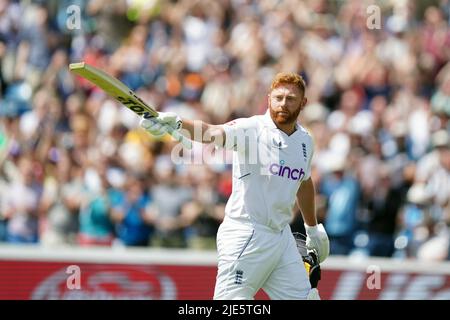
<point>159,126</point>
<point>317,239</point>
<point>312,267</point>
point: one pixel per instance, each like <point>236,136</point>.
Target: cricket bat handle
<point>178,136</point>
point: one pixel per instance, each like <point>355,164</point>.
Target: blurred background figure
<point>203,214</point>
<point>75,168</point>
<point>21,204</point>
<point>97,200</point>
<point>170,196</point>
<point>133,227</point>
<point>343,193</point>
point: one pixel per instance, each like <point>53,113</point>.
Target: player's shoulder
<point>243,123</point>
<point>304,132</point>
<point>306,139</point>
<point>260,120</point>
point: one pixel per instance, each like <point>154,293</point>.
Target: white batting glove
<point>317,239</point>
<point>161,125</point>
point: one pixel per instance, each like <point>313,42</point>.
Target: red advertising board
<point>24,280</point>
<point>49,280</point>
<point>362,285</point>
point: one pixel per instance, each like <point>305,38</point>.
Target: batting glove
<point>317,239</point>
<point>162,124</point>
<point>312,267</point>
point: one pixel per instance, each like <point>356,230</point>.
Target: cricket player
<point>256,248</point>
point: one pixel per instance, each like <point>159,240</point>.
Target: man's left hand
<point>317,239</point>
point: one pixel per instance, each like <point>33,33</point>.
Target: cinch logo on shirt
<point>281,170</point>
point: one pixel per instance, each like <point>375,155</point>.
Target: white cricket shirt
<point>268,168</point>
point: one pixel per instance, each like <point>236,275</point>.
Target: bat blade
<point>123,94</point>
<point>114,88</point>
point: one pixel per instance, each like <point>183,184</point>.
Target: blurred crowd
<point>75,168</point>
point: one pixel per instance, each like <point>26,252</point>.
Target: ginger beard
<point>287,113</point>
<point>284,117</point>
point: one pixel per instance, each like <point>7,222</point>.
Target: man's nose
<point>283,103</point>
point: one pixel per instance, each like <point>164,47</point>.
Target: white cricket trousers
<point>251,257</point>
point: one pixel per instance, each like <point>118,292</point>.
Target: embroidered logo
<point>305,155</point>
<point>276,144</point>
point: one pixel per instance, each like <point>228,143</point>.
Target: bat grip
<point>178,136</point>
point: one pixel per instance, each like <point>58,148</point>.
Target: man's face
<point>285,103</point>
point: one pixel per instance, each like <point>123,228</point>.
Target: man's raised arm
<point>208,132</point>
<point>195,130</point>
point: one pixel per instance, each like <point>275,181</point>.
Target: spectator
<point>383,206</point>
<point>202,216</point>
<point>169,197</point>
<point>343,193</point>
<point>133,227</point>
<point>22,202</point>
<point>96,227</point>
<point>415,220</point>
<point>60,203</point>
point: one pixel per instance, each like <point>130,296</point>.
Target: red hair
<point>289,78</point>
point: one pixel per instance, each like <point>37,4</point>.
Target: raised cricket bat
<point>124,95</point>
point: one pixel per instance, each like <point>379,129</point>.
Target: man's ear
<point>303,103</point>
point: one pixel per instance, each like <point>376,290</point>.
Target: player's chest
<point>277,145</point>
<point>284,158</point>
